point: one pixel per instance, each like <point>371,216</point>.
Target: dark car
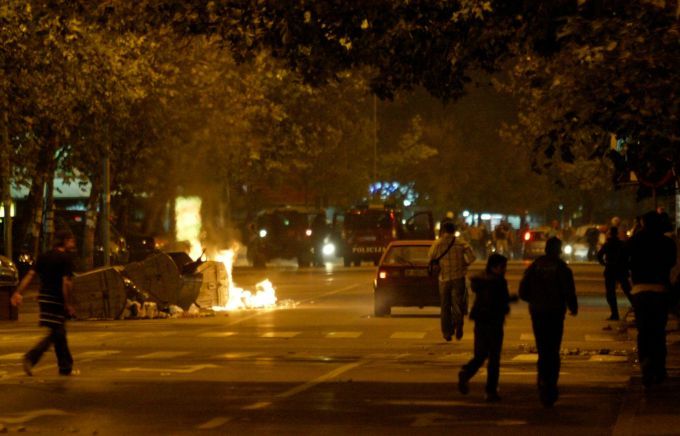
<point>9,275</point>
<point>402,278</point>
<point>282,233</point>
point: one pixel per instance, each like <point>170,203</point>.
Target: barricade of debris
<point>164,285</point>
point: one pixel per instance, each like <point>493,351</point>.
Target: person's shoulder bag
<point>433,268</point>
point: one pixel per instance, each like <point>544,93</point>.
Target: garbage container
<point>7,311</point>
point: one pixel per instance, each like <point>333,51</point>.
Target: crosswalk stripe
<point>343,335</point>
<point>95,354</point>
<point>12,356</point>
<point>235,355</point>
<point>599,338</point>
<point>526,358</point>
<point>217,334</point>
<point>607,358</point>
<point>408,335</point>
<point>280,335</point>
<point>163,355</point>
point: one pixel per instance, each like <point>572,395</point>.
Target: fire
<point>239,298</point>
<point>188,228</point>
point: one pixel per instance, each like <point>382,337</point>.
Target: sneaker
<point>463,386</point>
<point>492,397</point>
<point>28,366</point>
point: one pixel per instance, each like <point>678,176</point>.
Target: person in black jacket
<point>651,255</point>
<point>548,287</point>
<point>612,256</point>
<point>488,312</point>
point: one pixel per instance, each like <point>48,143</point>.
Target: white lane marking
<point>599,338</point>
<point>31,415</point>
<point>217,334</point>
<point>343,335</point>
<point>456,356</point>
<point>235,355</point>
<point>429,403</point>
<point>280,335</point>
<point>408,335</point>
<point>95,354</point>
<point>12,356</point>
<point>258,405</point>
<point>163,355</point>
<point>214,423</point>
<point>526,358</point>
<point>527,337</point>
<point>185,370</point>
<point>607,358</point>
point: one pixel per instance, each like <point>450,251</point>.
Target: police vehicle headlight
<point>328,249</point>
<point>568,249</point>
<point>263,233</point>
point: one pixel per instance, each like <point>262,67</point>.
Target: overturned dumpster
<point>100,293</point>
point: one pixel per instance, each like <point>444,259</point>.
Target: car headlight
<point>328,249</point>
<point>568,249</point>
<point>263,233</point>
<point>308,232</point>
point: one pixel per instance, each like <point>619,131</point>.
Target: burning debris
<point>238,298</point>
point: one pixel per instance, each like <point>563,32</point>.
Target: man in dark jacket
<point>488,312</point>
<point>612,256</point>
<point>651,256</point>
<point>548,287</point>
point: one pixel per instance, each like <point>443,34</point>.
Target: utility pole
<point>5,174</point>
<point>375,139</point>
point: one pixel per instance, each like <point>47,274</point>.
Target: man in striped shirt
<point>55,270</point>
<point>455,255</point>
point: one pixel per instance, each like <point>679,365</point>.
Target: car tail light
<point>527,236</point>
<point>382,275</point>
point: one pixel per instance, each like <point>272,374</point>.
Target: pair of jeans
<point>651,317</point>
<point>488,345</point>
<point>57,337</point>
<point>548,329</point>
<point>453,305</point>
<point>611,278</point>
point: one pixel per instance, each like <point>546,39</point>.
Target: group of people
<point>549,289</point>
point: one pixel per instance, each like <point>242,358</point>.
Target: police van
<point>362,233</point>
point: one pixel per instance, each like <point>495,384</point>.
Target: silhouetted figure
<point>592,238</point>
<point>612,256</point>
<point>651,256</point>
<point>488,312</point>
<point>55,269</point>
<point>548,287</point>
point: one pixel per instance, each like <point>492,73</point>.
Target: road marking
<point>310,384</point>
<point>29,416</point>
<point>607,358</point>
<point>217,334</point>
<point>213,423</point>
<point>95,354</point>
<point>280,335</point>
<point>526,358</point>
<point>258,405</point>
<point>527,337</point>
<point>408,335</point>
<point>185,370</point>
<point>343,335</point>
<point>599,338</point>
<point>430,403</point>
<point>12,356</point>
<point>163,355</point>
<point>235,355</point>
<point>456,356</point>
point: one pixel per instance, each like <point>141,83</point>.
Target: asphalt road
<point>318,363</point>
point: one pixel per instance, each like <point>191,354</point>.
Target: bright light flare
<point>568,249</point>
<point>328,249</point>
<point>239,298</point>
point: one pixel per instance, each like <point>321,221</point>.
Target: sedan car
<point>402,278</point>
<point>533,243</point>
<point>9,275</point>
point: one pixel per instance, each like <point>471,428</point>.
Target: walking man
<point>611,255</point>
<point>651,256</point>
<point>55,270</point>
<point>454,256</point>
<point>492,304</point>
<point>548,287</point>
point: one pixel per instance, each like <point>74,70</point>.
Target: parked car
<point>533,242</point>
<point>402,278</point>
<point>9,275</point>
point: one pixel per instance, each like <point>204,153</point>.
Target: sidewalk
<point>656,412</point>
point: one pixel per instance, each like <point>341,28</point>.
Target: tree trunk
<point>88,245</point>
<point>49,213</point>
